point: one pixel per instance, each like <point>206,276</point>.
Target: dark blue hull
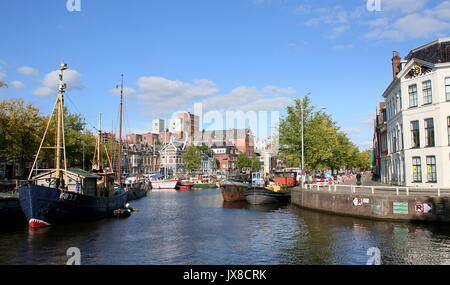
<point>43,206</point>
<point>257,196</point>
<point>137,192</point>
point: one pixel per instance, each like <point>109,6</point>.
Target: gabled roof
<point>405,71</point>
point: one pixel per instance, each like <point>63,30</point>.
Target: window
<point>415,138</point>
<point>417,169</point>
<point>447,88</point>
<point>427,94</point>
<point>429,132</point>
<point>413,102</point>
<point>448,129</point>
<point>431,169</point>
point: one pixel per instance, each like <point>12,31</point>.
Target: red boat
<point>183,187</point>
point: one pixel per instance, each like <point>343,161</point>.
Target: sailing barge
<point>63,195</point>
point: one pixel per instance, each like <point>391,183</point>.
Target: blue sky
<point>227,54</point>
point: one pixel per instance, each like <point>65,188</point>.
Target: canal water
<point>197,227</point>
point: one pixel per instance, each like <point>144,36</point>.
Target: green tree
<point>20,124</point>
<point>319,131</point>
<point>364,159</point>
<point>255,163</point>
<point>243,161</point>
<point>192,158</point>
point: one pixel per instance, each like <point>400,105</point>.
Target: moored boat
<point>61,195</point>
<point>159,182</point>
<point>233,190</point>
<point>183,187</point>
<point>259,195</point>
<point>204,185</point>
<point>136,188</point>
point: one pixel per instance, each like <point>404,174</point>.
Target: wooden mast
<point>98,160</point>
<point>60,148</point>
<point>119,170</point>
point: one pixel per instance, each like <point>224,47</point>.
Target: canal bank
<point>384,203</point>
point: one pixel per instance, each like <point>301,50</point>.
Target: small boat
<point>183,187</point>
<point>159,182</point>
<point>122,213</point>
<point>136,188</point>
<point>233,190</point>
<point>268,195</point>
<point>186,183</point>
<point>203,183</point>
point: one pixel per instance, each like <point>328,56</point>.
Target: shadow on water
<point>260,208</point>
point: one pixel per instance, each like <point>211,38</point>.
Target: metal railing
<point>390,190</point>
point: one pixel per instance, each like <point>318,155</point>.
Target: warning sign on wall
<point>422,208</point>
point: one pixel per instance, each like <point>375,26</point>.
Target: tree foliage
<point>192,158</point>
<point>325,146</point>
<point>245,161</point>
<point>22,128</point>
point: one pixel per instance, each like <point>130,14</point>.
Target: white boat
<point>158,182</point>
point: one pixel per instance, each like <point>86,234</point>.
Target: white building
<point>158,126</point>
<point>418,118</point>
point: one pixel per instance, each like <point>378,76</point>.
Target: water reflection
<point>197,227</point>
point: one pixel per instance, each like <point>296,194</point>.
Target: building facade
<point>418,119</point>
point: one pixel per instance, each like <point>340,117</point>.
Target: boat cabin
<point>77,181</point>
<point>258,178</point>
<point>286,178</point>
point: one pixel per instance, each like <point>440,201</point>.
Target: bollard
<point>396,190</point>
<point>335,188</point>
<point>373,190</point>
<point>439,191</point>
<point>318,187</point>
<point>407,191</point>
<point>329,188</point>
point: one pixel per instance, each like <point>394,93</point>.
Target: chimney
<point>396,63</point>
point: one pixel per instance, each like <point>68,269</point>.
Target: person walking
<point>358,178</point>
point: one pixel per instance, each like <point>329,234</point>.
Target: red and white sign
<point>422,208</point>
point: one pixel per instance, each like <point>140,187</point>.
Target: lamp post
<point>303,172</point>
<point>303,143</point>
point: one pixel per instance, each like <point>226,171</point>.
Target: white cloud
<point>365,145</point>
<point>366,121</point>
<point>28,70</point>
<point>351,130</point>
<point>2,75</point>
<point>343,46</point>
<point>237,97</point>
<point>418,23</point>
<point>274,90</point>
<point>403,6</point>
<point>50,82</point>
<point>302,9</point>
<point>18,84</point>
<point>127,92</point>
<point>244,98</point>
<point>159,96</point>
<point>338,31</point>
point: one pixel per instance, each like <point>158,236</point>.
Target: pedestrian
<point>358,178</point>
